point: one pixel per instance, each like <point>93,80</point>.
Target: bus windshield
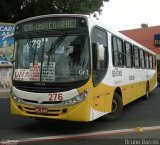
<point>60,58</point>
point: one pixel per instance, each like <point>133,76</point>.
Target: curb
<point>5,94</point>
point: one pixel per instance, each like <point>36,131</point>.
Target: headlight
<point>77,99</point>
<point>17,99</point>
<point>74,100</point>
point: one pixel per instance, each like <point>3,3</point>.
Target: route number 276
<point>55,96</point>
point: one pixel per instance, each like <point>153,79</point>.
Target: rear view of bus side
<point>73,67</point>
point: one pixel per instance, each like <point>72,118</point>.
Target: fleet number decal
<point>55,96</point>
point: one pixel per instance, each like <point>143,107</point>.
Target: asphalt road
<point>141,113</point>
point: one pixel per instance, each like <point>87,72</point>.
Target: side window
<point>146,59</point>
<point>128,49</point>
<point>136,56</point>
<point>100,59</point>
<point>154,62</point>
<point>117,51</point>
<point>150,61</point>
<point>142,59</point>
<point>114,51</point>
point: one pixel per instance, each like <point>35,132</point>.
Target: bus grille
<point>44,102</point>
<point>50,111</point>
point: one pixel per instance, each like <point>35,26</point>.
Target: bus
<point>73,67</point>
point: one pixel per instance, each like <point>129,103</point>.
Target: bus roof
<point>95,22</point>
<point>52,15</point>
<point>92,21</point>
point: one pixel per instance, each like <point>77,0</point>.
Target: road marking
<point>139,129</point>
<point>85,135</point>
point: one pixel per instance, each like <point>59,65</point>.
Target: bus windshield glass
<point>58,58</point>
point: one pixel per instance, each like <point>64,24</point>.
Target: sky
<point>130,14</point>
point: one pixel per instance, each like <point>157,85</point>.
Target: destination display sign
<point>44,24</point>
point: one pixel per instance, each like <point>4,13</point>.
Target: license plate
<point>41,110</point>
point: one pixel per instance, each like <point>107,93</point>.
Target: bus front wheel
<point>117,108</point>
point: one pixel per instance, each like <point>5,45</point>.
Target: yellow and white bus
<point>73,67</point>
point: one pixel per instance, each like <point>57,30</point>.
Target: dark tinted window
<point>128,48</point>
<point>117,51</point>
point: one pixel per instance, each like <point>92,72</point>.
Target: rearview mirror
<point>95,48</point>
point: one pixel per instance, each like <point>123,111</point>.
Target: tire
<point>147,95</point>
<point>117,108</point>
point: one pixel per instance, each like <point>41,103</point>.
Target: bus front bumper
<point>78,112</point>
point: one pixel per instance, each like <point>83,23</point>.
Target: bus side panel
<point>153,82</point>
<point>133,91</point>
<point>101,102</point>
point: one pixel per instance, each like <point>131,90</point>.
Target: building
<point>147,36</point>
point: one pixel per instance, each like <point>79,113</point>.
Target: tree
<point>9,10</point>
<point>144,25</point>
<point>14,10</point>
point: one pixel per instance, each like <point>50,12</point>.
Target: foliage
<point>14,10</point>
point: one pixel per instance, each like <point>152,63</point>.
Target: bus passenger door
<point>100,64</point>
<point>99,71</point>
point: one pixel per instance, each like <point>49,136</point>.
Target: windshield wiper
<point>55,45</point>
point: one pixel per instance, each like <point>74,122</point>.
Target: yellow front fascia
<point>78,112</point>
